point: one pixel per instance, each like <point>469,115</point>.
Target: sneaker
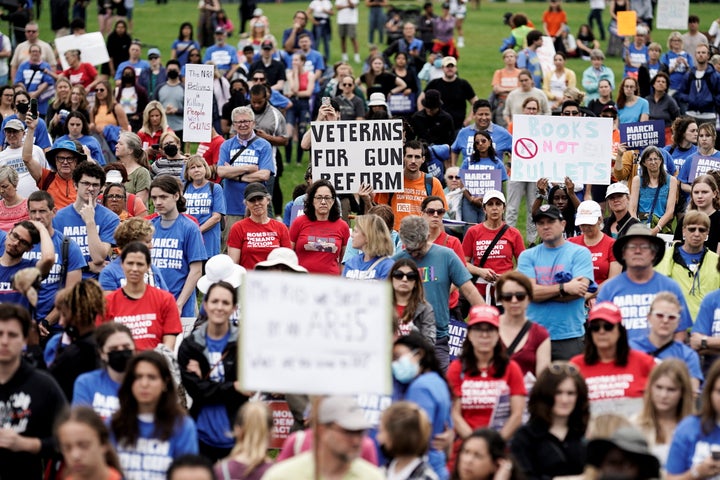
<point>357,58</point>
<point>344,57</point>
<point>461,42</point>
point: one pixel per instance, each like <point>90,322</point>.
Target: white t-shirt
<point>347,16</point>
<point>13,158</point>
<point>319,7</point>
<point>6,47</point>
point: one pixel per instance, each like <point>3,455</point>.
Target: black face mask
<point>128,78</point>
<point>173,74</point>
<point>170,150</point>
<point>22,107</point>
<point>238,95</point>
<point>118,359</point>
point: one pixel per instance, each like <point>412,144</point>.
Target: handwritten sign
<point>328,335</point>
<point>350,154</point>
<point>701,165</point>
<point>477,182</point>
<point>638,135</point>
<point>672,14</point>
<point>93,49</point>
<point>556,147</point>
<point>197,111</point>
<point>627,23</point>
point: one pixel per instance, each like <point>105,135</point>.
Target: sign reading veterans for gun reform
<point>559,147</point>
<point>197,118</point>
<point>314,334</point>
<point>354,153</point>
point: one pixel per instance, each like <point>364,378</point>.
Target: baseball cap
<point>607,311</point>
<point>343,411</point>
<point>255,189</point>
<point>484,314</point>
<point>219,30</point>
<point>609,109</point>
<point>588,213</point>
<point>153,52</point>
<point>550,211</point>
<point>617,188</point>
<point>14,124</point>
<point>490,194</point>
<point>449,61</point>
<point>267,45</point>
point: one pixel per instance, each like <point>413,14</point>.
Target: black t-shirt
<point>273,72</point>
<point>383,83</point>
<point>455,96</point>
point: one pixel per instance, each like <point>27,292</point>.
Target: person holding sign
<point>662,105</point>
<point>706,158</point>
<point>653,193</point>
<point>483,158</point>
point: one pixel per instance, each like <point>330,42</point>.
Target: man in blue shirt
<point>528,57</point>
<point>133,61</point>
<point>223,56</point>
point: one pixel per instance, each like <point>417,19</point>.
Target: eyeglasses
<point>435,211</point>
<point>557,368</point>
<point>241,122</point>
<point>411,276</point>
<point>506,297</point>
<point>570,113</point>
<point>450,65</point>
<point>59,159</point>
<point>89,184</point>
<point>664,316</point>
<point>453,177</point>
<point>258,79</point>
<point>19,239</point>
<point>596,326</point>
<point>697,229</point>
<point>652,159</point>
<point>115,196</point>
<point>327,199</point>
<point>638,246</point>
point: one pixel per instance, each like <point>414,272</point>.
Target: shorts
<point>460,12</point>
<point>129,13</point>
<point>347,30</point>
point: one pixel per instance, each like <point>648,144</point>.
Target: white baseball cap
<point>617,188</point>
<point>490,194</point>
<point>588,213</point>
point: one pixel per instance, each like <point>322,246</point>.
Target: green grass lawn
<point>157,26</point>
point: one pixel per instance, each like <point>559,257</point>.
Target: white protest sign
<point>315,334</point>
<point>91,45</point>
<point>197,111</point>
<point>558,147</point>
<point>672,14</point>
<point>355,153</point>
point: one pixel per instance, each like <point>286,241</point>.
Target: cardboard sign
<point>558,147</point>
<point>197,110</point>
<point>701,165</point>
<point>627,23</point>
<point>477,182</point>
<point>91,45</point>
<point>672,14</point>
<point>355,153</point>
<point>639,135</point>
<point>315,334</point>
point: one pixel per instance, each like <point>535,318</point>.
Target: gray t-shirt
<point>173,95</point>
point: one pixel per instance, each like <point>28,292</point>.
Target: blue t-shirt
<point>42,137</point>
<point>690,446</point>
<point>563,320</point>
<point>529,59</point>
<point>358,269</point>
<point>112,277</point>
<point>278,100</point>
<point>97,390</point>
<point>707,321</point>
<point>174,249</point>
<point>485,164</point>
<point>224,58</point>
<point>680,156</point>
<point>149,457</point>
<point>202,203</point>
<point>32,76</point>
<point>213,424</point>
<point>182,49</point>
<point>7,293</point>
<point>90,142</point>
<point>138,66</point>
<point>638,56</point>
<point>677,70</point>
<point>629,114</point>
<point>69,222</point>
<point>259,153</point>
<point>634,301</point>
<point>439,269</point>
<point>501,138</point>
<point>675,350</point>
<point>684,175</point>
<point>50,286</point>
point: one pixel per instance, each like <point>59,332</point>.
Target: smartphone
<point>325,101</point>
<point>34,107</point>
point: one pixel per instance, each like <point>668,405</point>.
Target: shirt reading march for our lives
<point>259,153</point>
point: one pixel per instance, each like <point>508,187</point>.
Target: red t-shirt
<point>607,381</point>
<point>526,356</point>
<point>445,240</point>
<point>500,260</point>
<point>255,241</point>
<point>319,244</point>
<point>602,255</point>
<point>478,395</point>
<point>149,318</point>
<point>84,74</point>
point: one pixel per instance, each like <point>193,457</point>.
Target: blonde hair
<point>196,160</point>
<point>379,242</point>
<point>255,421</point>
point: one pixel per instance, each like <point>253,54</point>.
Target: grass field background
<point>157,26</point>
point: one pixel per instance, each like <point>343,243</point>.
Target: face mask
<point>118,359</point>
<point>438,63</point>
<point>237,95</point>
<point>404,369</point>
<point>170,150</point>
<point>173,74</point>
<point>22,107</point>
<point>128,78</point>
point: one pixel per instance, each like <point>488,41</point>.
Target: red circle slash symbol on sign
<point>526,148</point>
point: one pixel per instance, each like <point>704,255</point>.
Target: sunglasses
<point>347,84</point>
<point>453,177</point>
<point>506,297</point>
<point>571,113</point>
<point>663,316</point>
<point>433,211</point>
<point>697,229</point>
<point>597,326</point>
<point>411,276</point>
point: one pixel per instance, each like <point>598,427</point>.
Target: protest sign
<point>197,110</point>
<point>457,333</point>
<point>556,147</point>
<point>477,182</point>
<point>314,334</point>
<point>91,45</point>
<point>627,23</point>
<point>350,154</point>
<point>638,135</point>
<point>282,420</point>
<point>701,165</point>
<point>672,14</point>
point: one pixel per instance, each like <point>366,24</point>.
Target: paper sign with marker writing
<point>672,14</point>
<point>559,147</point>
<point>477,182</point>
<point>638,135</point>
<point>701,165</point>
<point>197,118</point>
<point>315,334</point>
<point>627,23</point>
<point>93,49</point>
<point>351,154</point>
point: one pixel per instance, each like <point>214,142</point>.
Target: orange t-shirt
<point>408,201</point>
<point>62,191</point>
<point>554,21</point>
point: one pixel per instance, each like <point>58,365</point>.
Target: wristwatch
<point>703,343</point>
<point>562,289</point>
